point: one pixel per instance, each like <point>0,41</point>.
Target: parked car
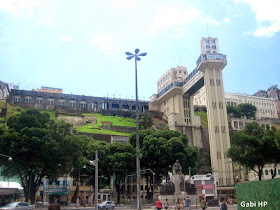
<point>17,206</point>
<point>106,205</point>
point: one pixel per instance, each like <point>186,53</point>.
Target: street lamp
<point>137,58</point>
<point>95,163</point>
<point>9,157</point>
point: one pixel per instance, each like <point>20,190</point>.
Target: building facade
<point>76,103</point>
<point>176,101</point>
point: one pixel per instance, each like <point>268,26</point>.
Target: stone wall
<point>124,129</point>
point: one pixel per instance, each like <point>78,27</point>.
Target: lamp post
<point>9,157</point>
<point>137,58</point>
<point>95,163</point>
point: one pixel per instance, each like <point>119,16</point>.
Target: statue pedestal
<point>176,179</point>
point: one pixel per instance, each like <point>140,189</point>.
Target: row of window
<point>73,103</point>
<point>266,172</point>
<point>260,103</point>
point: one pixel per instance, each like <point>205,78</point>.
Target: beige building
<point>176,101</point>
<point>266,107</point>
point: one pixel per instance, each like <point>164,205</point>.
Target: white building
<point>209,45</point>
<point>266,107</point>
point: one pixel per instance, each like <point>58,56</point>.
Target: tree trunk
<point>260,173</point>
<point>118,189</point>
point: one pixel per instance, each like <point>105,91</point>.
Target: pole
<point>96,182</point>
<point>137,142</point>
<point>153,186</point>
<point>78,191</point>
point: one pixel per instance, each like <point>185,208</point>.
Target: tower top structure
<point>209,45</point>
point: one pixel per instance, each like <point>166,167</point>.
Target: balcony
<point>212,61</point>
<point>57,188</point>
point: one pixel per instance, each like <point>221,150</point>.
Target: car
<point>106,205</point>
<point>17,205</point>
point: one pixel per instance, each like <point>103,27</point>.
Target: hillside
<point>203,118</point>
<point>84,124</point>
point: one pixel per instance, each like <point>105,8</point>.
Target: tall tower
<point>209,45</point>
<point>211,65</point>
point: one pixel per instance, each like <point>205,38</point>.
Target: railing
<point>57,188</point>
<point>204,57</point>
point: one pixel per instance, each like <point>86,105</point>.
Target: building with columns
<point>176,101</point>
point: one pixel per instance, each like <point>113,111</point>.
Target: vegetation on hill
<point>12,110</point>
<point>203,118</point>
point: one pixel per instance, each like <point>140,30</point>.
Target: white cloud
<point>227,20</point>
<point>65,39</point>
<point>267,14</point>
<point>170,17</point>
<point>268,31</point>
<point>23,8</point>
<point>210,21</point>
<point>104,42</point>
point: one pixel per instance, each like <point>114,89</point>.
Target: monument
<point>171,190</point>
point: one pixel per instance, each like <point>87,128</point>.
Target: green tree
<point>247,110</point>
<point>160,151</point>
<point>145,121</point>
<point>37,146</point>
<point>121,162</point>
<point>254,147</point>
<point>234,111</point>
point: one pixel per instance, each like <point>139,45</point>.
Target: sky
<point>80,45</point>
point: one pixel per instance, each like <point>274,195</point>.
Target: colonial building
<point>76,103</point>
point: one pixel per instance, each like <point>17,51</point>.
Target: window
<point>211,82</point>
<point>214,51</point>
<point>220,105</point>
<point>266,172</point>
<point>218,155</point>
<point>39,101</point>
<point>27,100</point>
<point>179,72</point>
<point>278,171</point>
<point>185,73</point>
<point>61,103</point>
<point>216,129</point>
<point>223,128</point>
<point>17,99</point>
<point>50,103</point>
<point>214,105</point>
<point>218,82</point>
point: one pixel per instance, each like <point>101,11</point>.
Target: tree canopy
<point>242,110</point>
<point>145,121</point>
<point>254,147</point>
<point>161,149</point>
<point>38,146</point>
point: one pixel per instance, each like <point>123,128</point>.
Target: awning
<point>7,188</point>
<point>57,193</point>
<point>226,188</point>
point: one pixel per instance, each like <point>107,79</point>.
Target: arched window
<point>115,106</point>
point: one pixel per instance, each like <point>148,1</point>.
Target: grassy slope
<point>88,128</point>
<point>119,121</point>
<point>203,118</point>
<point>12,110</point>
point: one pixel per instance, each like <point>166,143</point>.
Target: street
<point>146,207</point>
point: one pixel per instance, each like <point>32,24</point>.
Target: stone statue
<point>177,168</point>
